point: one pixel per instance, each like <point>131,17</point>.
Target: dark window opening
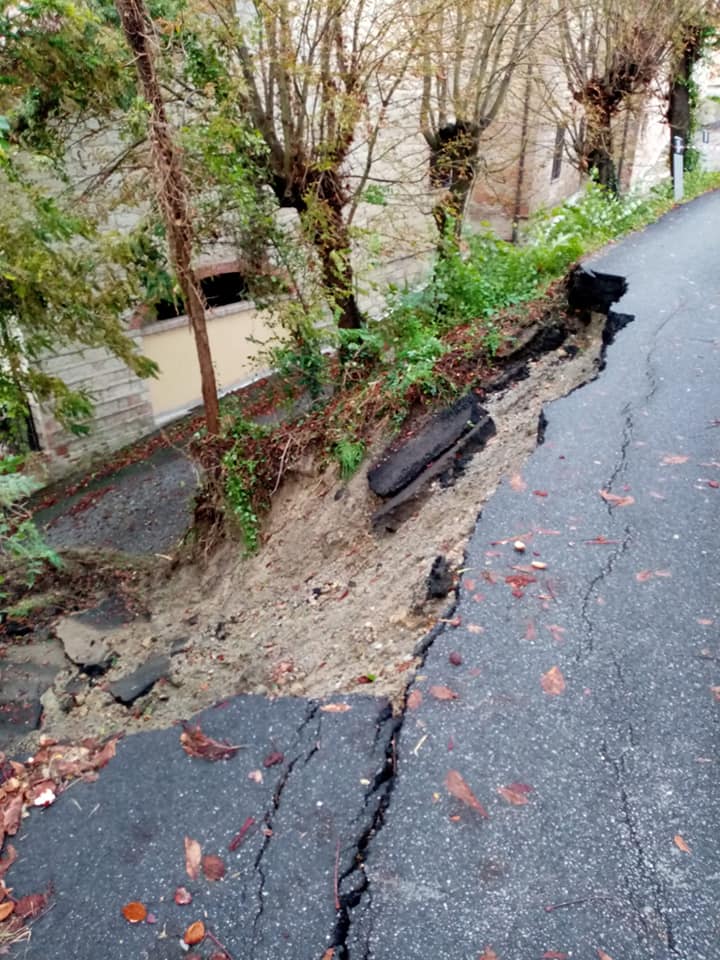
<point>219,291</point>
<point>558,153</point>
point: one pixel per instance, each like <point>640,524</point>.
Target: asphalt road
<point>584,695</point>
<point>614,851</point>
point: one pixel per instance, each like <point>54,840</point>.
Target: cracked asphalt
<point>555,797</point>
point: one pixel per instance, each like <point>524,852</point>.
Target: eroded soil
<point>328,604</point>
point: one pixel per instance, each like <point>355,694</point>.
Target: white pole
<point>677,168</point>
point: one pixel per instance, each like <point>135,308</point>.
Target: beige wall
<point>171,345</point>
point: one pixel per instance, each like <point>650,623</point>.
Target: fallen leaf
<point>603,956</point>
<point>182,896</point>
<point>530,631</point>
<point>195,933</point>
<point>134,912</point>
<point>32,905</point>
<point>193,856</point>
<point>670,459</point>
<point>663,573</point>
<point>455,659</point>
<point>475,628</point>
<point>538,565</point>
<point>6,909</point>
<point>716,693</point>
<point>329,954</point>
<point>520,580</point>
<point>553,682</point>
<point>240,835</point>
<point>405,665</point>
<point>517,483</point>
<point>555,955</point>
<point>642,576</point>
<point>442,693</point>
<point>461,791</point>
<point>540,493</point>
<point>256,776</point>
<point>614,500</point>
<point>680,843</point>
<point>515,793</point>
<point>197,744</point>
<point>557,632</point>
<point>714,484</point>
<point>335,708</point>
<point>151,918</point>
<point>272,759</point>
<point>7,859</point>
<point>366,678</point>
<point>213,867</point>
<point>488,954</point>
<point>414,699</point>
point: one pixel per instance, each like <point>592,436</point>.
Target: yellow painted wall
<point>172,347</point>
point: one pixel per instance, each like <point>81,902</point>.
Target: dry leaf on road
<point>443,693</point>
<point>488,954</point>
<point>195,933</point>
<point>553,682</point>
<point>603,956</point>
<point>614,500</point>
<point>461,791</point>
<point>134,912</point>
<point>414,699</point>
<point>213,867</point>
<point>193,856</point>
<point>197,744</point>
<point>516,793</point>
<point>680,843</point>
<point>335,708</point>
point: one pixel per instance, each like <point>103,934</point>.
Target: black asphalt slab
<point>143,507</point>
<point>121,839</point>
<point>585,690</point>
<point>551,792</point>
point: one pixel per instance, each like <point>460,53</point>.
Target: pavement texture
<point>551,792</point>
<point>610,778</point>
<point>142,508</point>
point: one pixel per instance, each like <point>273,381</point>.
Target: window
<point>219,290</point>
<point>558,153</point>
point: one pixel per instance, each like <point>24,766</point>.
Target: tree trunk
<point>453,165</point>
<point>173,191</point>
<point>680,109</point>
<point>598,152</point>
<point>321,214</point>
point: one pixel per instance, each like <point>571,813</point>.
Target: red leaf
<point>488,954</point>
<point>193,856</point>
<point>553,682</point>
<point>182,896</point>
<point>442,693</point>
<point>8,859</point>
<point>680,843</point>
<point>213,867</point>
<point>530,631</point>
<point>455,659</point>
<point>414,699</point>
<point>520,580</point>
<point>714,484</point>
<point>461,791</point>
<point>517,483</point>
<point>555,955</point>
<point>272,759</point>
<point>614,500</point>
<point>195,933</point>
<point>240,835</point>
<point>557,632</point>
<point>32,905</point>
<point>602,955</point>
<point>134,912</point>
<point>515,793</point>
<point>197,744</point>
<point>642,576</point>
<point>540,493</point>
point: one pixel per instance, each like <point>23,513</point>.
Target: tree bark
<point>680,109</point>
<point>173,192</point>
<point>321,215</point>
<point>453,165</point>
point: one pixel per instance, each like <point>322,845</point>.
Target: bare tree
<point>317,79</point>
<point>612,51</point>
<point>470,52</point>
<point>172,192</point>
